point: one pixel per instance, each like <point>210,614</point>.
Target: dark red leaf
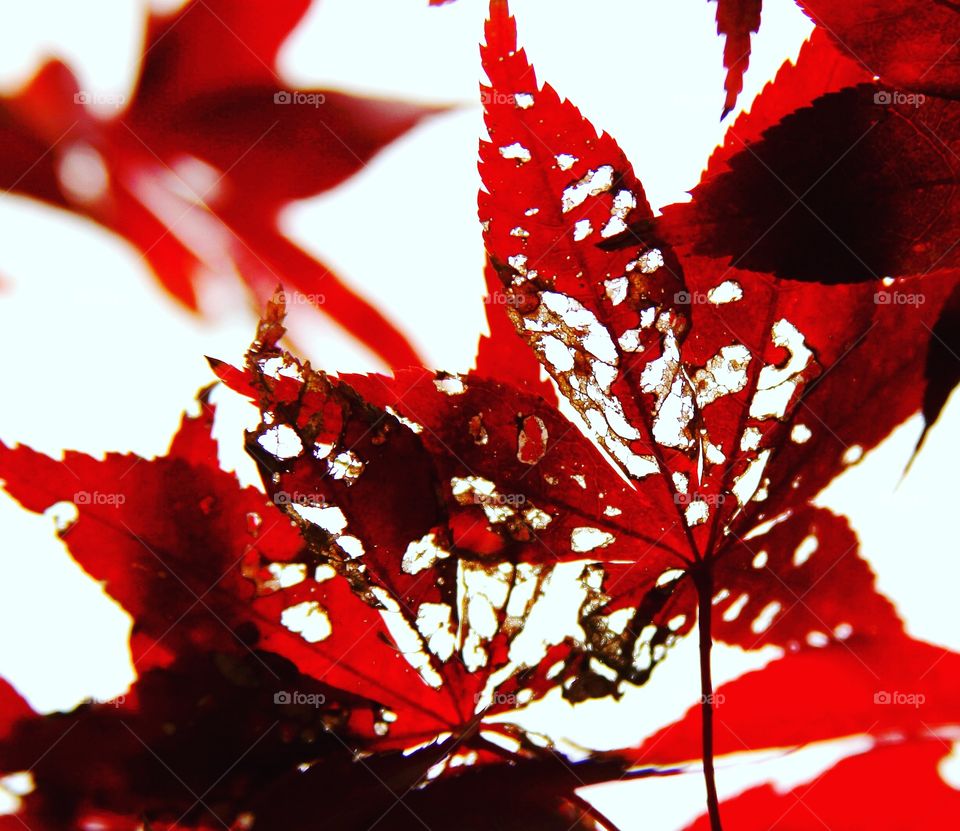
<point>855,187</point>
<point>943,363</point>
<point>820,68</point>
<point>535,795</point>
<point>910,45</point>
<point>12,708</point>
<point>736,21</point>
<point>216,740</point>
<point>191,743</point>
<point>535,458</point>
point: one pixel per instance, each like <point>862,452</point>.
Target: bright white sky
<point>100,359</point>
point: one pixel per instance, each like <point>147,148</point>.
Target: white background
<point>97,358</point>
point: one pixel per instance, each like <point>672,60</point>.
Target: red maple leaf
<point>727,389</point>
<point>480,486</point>
<point>247,641</point>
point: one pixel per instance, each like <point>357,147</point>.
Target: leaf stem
<point>703,579</point>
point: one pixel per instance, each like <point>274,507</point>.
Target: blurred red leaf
<point>196,167</point>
